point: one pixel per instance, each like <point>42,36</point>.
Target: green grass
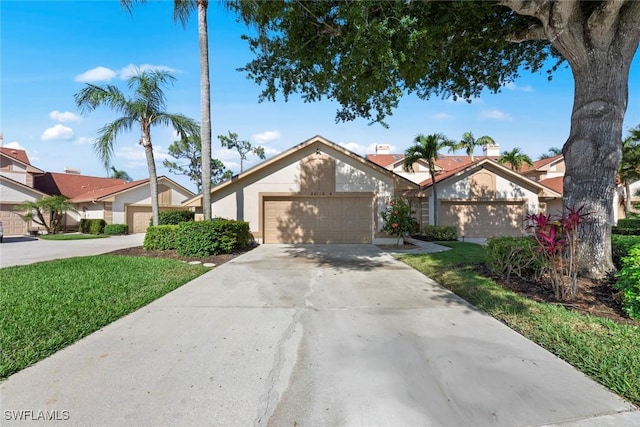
<point>603,349</point>
<point>71,236</point>
<point>46,306</point>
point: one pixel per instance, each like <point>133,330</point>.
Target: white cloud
<point>97,74</point>
<point>267,136</point>
<point>15,145</point>
<point>62,117</point>
<point>57,132</point>
<point>442,116</point>
<point>513,86</point>
<point>494,115</point>
<point>363,149</point>
<point>133,69</point>
<point>81,140</point>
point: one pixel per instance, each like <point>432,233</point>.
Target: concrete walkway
<point>27,250</point>
<point>329,335</point>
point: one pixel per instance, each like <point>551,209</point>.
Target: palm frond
<point>182,10</point>
<point>91,97</point>
<point>103,145</point>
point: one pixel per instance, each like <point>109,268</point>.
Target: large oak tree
<point>367,55</point>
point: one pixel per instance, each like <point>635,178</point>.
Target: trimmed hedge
<point>629,223</point>
<point>620,247</point>
<point>629,283</point>
<point>92,226</point>
<point>507,256</point>
<point>175,217</point>
<point>160,237</point>
<point>440,233</point>
<point>204,238</point>
<point>116,229</point>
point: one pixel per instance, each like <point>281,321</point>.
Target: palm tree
<point>468,143</point>
<point>182,10</point>
<point>516,158</point>
<point>115,173</point>
<point>552,152</point>
<point>146,108</point>
<point>426,148</point>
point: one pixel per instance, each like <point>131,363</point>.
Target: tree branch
<point>535,32</point>
<point>535,8</point>
<point>601,25</point>
<point>630,22</point>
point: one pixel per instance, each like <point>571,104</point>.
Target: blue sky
<point>49,48</point>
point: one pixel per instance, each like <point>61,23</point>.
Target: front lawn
<point>605,350</point>
<point>46,306</point>
<point>74,236</point>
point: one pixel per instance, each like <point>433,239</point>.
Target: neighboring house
<point>481,198</point>
<point>114,200</point>
<point>16,186</point>
<point>315,192</point>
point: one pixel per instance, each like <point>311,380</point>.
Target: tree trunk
<point>627,198</point>
<point>593,151</point>
<point>205,108</point>
<point>434,196</point>
<point>153,176</point>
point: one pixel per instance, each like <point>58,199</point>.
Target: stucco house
<point>114,200</point>
<point>16,186</point>
<point>315,192</point>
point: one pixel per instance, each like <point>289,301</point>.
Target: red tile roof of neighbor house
<point>446,163</point>
<point>553,183</point>
<point>99,193</point>
<point>20,155</point>
<point>539,164</point>
<point>384,160</point>
<point>72,185</point>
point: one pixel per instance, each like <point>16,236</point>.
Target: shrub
<point>629,223</point>
<point>160,237</point>
<point>625,231</point>
<point>514,255</point>
<point>92,226</point>
<point>441,233</point>
<point>204,238</point>
<point>557,238</point>
<point>116,229</point>
<point>620,246</point>
<point>398,220</point>
<point>174,217</point>
<point>629,283</point>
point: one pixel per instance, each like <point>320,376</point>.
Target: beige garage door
<point>318,220</point>
<point>483,219</point>
<point>138,218</point>
<point>12,224</point>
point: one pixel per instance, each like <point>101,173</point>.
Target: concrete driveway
<point>310,336</point>
<point>27,250</point>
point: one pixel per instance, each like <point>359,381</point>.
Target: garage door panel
<point>318,220</point>
<point>12,223</point>
<point>477,219</point>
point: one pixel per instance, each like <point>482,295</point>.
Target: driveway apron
<point>317,335</point>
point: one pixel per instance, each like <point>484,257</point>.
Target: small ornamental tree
<point>557,238</point>
<point>48,212</point>
<point>397,219</point>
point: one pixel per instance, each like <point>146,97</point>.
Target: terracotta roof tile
<point>553,183</point>
<point>98,193</point>
<point>384,160</point>
<point>71,185</point>
<point>16,154</point>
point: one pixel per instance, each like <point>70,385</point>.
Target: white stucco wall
<point>12,193</point>
<point>18,177</point>
<point>351,176</point>
<point>225,204</point>
<point>505,190</point>
<point>141,196</point>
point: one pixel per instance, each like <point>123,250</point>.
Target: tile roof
<point>553,183</point>
<point>71,185</point>
<point>539,164</point>
<point>20,155</point>
<point>384,160</point>
<point>99,193</point>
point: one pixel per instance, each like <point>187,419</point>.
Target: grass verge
<point>49,305</point>
<point>71,236</point>
<point>604,350</point>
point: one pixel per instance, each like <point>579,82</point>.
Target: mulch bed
<point>172,254</point>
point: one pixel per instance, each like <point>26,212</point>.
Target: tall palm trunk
<point>153,175</point>
<point>205,108</point>
<point>434,192</point>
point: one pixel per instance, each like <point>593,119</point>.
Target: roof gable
<point>71,185</point>
<point>101,194</point>
<point>317,143</point>
<point>19,156</point>
<point>22,187</point>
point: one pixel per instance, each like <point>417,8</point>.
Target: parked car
<point>1,232</point>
